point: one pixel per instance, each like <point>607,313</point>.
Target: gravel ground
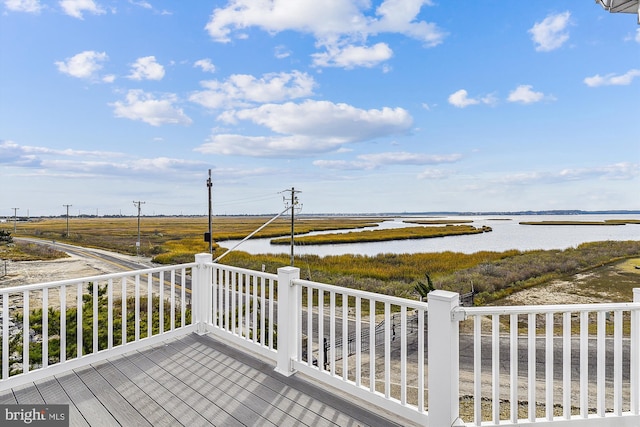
<point>30,272</point>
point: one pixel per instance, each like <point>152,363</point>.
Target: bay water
<point>508,233</point>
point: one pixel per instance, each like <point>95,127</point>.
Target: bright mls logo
<point>34,415</point>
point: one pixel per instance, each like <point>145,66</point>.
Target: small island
<point>383,235</point>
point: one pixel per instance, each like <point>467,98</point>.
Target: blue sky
<point>363,105</point>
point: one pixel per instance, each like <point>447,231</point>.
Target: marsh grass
<point>491,275</point>
<point>21,251</point>
<point>186,234</point>
<point>383,235</point>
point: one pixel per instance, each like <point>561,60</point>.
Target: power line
<point>246,199</point>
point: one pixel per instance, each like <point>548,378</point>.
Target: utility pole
<point>138,204</point>
<point>67,206</point>
<point>209,186</point>
<point>15,218</point>
<point>293,203</point>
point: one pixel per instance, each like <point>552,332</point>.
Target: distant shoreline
<point>360,214</point>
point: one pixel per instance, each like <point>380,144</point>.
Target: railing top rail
<point>556,308</point>
<point>363,294</point>
<point>243,270</point>
<point>66,282</point>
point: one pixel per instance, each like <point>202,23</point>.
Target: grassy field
<point>492,275</point>
<point>177,235</point>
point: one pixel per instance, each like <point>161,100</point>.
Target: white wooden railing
<point>118,305</point>
<point>239,305</point>
<point>574,365</point>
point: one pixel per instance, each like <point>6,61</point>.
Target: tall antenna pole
<point>138,205</point>
<point>15,218</point>
<point>209,185</point>
<point>67,206</point>
<point>294,203</point>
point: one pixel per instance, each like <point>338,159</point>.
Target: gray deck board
<point>52,392</point>
<point>192,381</point>
<point>7,398</point>
<point>194,399</point>
<point>296,408</point>
<point>123,411</point>
<point>157,391</point>
<point>88,405</point>
<point>240,403</point>
<point>28,394</point>
<point>132,393</point>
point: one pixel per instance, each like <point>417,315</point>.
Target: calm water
<point>507,234</point>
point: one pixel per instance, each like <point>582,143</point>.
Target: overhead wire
<point>251,234</point>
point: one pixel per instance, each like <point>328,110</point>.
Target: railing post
<point>635,355</point>
<point>443,358</point>
<point>200,288</point>
<point>288,328</point>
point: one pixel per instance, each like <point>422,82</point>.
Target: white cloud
<point>81,163</point>
<point>29,6</point>
<point>399,16</point>
<point>324,119</point>
<point>144,107</point>
<point>353,56</point>
<point>342,27</point>
<point>343,164</point>
<point>304,15</point>
<point>143,4</point>
<point>306,129</point>
<point>282,52</point>
<point>633,36</point>
<point>244,89</point>
<point>525,94</point>
<point>550,34</point>
<point>205,65</point>
<point>75,8</point>
<point>84,65</point>
<point>405,158</point>
<point>373,161</point>
<point>434,174</point>
<point>33,156</point>
<point>461,99</point>
<point>265,146</point>
<point>612,79</point>
<point>146,68</point>
<point>616,171</point>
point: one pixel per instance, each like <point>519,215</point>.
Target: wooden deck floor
<point>191,381</point>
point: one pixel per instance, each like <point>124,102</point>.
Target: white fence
<point>579,364</point>
<point>574,365</point>
<point>57,326</point>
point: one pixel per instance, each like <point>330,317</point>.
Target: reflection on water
<point>507,234</point>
